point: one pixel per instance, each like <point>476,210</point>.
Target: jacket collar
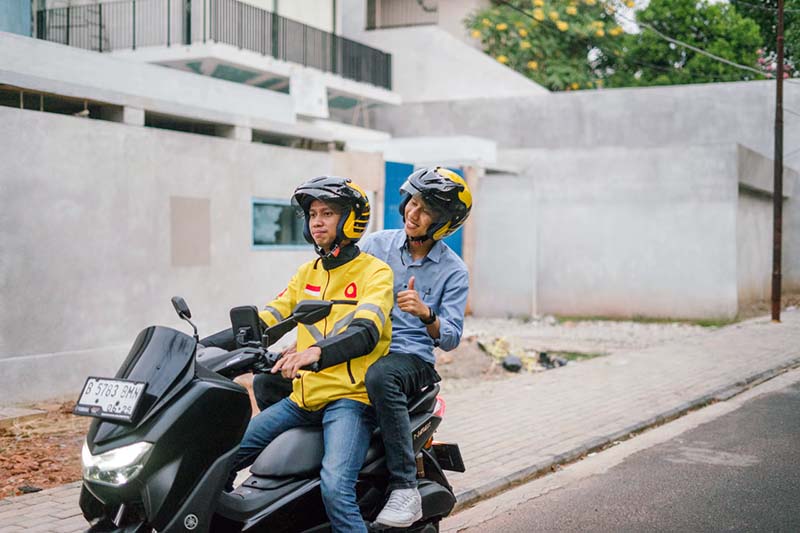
<point>346,254</point>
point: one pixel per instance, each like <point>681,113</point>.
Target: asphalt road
<point>737,472</point>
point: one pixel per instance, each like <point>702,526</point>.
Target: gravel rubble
<point>590,336</point>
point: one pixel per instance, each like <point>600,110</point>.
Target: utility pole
<point>777,190</point>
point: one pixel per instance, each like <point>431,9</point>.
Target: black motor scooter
<point>167,426</point>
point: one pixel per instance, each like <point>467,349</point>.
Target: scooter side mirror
<point>311,311</point>
<point>246,324</point>
<point>180,307</point>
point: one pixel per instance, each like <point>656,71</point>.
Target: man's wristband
<point>431,318</point>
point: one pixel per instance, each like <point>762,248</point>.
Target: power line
<point>691,47</point>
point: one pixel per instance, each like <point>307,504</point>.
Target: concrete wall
<point>504,262</point>
<point>754,227</point>
<point>689,115</point>
<point>452,14</point>
<point>54,68</point>
<point>95,218</point>
<point>740,112</point>
<point>754,246</point>
<point>15,16</point>
<point>456,71</point>
<point>581,233</point>
<point>791,240</point>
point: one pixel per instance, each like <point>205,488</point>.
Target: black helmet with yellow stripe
<point>443,190</point>
<point>342,192</point>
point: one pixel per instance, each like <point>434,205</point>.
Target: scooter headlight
<point>117,466</point>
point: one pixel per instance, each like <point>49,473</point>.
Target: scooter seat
<point>298,452</point>
<point>294,453</point>
<point>424,401</point>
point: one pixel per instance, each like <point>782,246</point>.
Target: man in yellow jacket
<point>344,344</point>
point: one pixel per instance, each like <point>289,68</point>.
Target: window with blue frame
<point>276,223</point>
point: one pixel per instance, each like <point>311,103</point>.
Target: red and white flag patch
<point>313,290</point>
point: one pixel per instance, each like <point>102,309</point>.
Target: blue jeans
<point>347,427</point>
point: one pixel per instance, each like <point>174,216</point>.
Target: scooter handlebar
<point>268,360</point>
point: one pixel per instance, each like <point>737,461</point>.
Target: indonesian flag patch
<point>313,290</point>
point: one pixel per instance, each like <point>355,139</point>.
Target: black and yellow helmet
<point>443,190</point>
<point>350,198</point>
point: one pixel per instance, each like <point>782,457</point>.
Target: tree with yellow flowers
<point>578,44</point>
<point>550,41</point>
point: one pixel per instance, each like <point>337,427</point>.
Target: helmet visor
<point>430,202</point>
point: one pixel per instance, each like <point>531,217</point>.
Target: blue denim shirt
<point>442,280</point>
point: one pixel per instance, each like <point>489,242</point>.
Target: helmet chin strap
<point>334,252</point>
<point>417,240</point>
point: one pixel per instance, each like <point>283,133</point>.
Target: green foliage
<point>578,44</point>
<point>765,14</point>
<point>646,59</point>
<point>550,42</point>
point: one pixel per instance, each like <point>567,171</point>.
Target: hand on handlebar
<point>292,348</point>
<point>292,362</point>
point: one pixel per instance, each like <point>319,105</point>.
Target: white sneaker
<point>403,509</point>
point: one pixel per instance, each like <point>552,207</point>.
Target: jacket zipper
<point>325,331</point>
<point>325,325</point>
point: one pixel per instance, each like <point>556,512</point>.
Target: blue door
<point>396,174</point>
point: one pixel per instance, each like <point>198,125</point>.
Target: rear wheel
<point>428,527</point>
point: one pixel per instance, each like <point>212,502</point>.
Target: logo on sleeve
<point>351,291</point>
<point>282,292</point>
<point>313,290</point>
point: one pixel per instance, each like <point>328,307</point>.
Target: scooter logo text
<point>190,522</point>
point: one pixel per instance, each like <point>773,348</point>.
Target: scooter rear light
<point>439,408</point>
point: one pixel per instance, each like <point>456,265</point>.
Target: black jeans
<point>270,389</point>
<point>390,380</point>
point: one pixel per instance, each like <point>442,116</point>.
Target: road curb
<point>471,497</point>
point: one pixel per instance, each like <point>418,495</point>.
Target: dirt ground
<point>42,452</point>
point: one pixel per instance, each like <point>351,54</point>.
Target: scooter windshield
<point>160,357</point>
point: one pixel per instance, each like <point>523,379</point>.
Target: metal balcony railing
<point>130,24</point>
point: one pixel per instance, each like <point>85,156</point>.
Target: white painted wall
<point>610,232</point>
<point>67,71</point>
<point>505,226</point>
<point>85,229</point>
<point>429,63</point>
<point>316,13</point>
<point>452,14</point>
<point>754,246</point>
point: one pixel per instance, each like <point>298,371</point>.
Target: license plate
<point>113,399</point>
<point>448,456</point>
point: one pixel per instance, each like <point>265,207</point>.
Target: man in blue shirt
<point>431,284</point>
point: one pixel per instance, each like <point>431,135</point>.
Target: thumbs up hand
<point>410,302</point>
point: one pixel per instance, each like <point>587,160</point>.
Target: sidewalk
<point>510,430</point>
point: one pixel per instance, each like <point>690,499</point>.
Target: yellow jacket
<point>364,279</point>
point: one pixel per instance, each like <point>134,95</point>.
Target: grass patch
<point>577,356</point>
